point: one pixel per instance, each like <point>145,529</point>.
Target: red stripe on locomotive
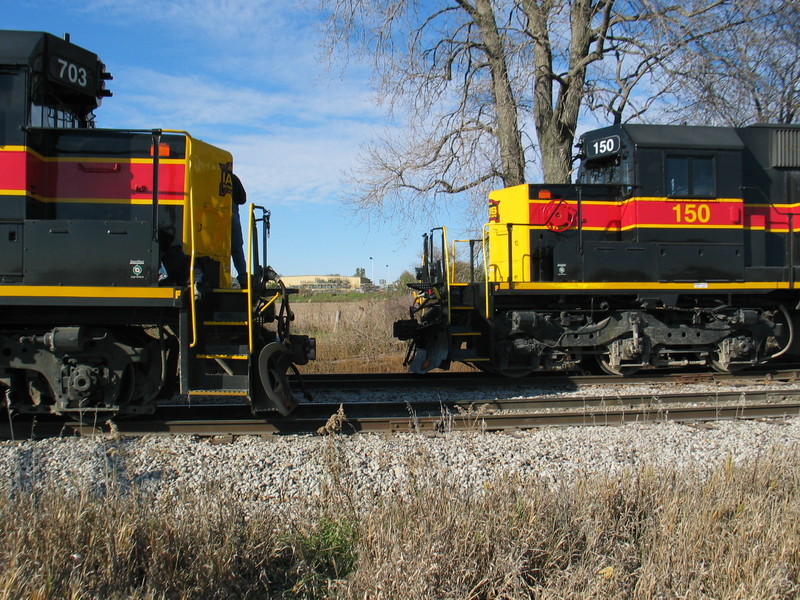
<point>559,215</point>
<point>13,170</point>
<point>113,180</point>
<point>27,173</point>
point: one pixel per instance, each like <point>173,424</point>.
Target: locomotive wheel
<point>604,361</point>
<point>724,367</point>
<point>514,373</point>
<point>723,359</point>
<point>273,362</point>
<point>720,368</point>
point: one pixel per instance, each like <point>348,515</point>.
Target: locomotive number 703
<point>73,73</point>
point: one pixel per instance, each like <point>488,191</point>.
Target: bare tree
<point>447,73</point>
<point>476,81</point>
<point>753,76</point>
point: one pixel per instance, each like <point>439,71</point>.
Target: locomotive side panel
<point>90,203</point>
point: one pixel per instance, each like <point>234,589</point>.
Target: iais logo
<point>225,178</point>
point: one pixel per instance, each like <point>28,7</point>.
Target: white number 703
<point>72,72</point>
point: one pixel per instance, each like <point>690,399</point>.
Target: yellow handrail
<point>190,208</point>
<point>270,303</point>
<point>453,252</point>
<point>446,265</point>
<point>484,242</point>
<point>251,221</point>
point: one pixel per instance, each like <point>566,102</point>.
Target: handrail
<point>270,302</point>
<point>471,258</point>
<point>190,209</point>
<point>193,254</point>
<point>507,229</point>
<point>446,269</point>
<point>248,262</point>
<point>485,242</point>
<point>156,137</point>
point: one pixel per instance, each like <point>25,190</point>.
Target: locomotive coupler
<point>62,339</point>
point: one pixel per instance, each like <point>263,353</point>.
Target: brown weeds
<point>354,337</point>
<point>648,534</point>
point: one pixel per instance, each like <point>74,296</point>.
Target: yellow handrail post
<point>193,253</point>
<point>250,226</point>
<point>486,266</point>
<point>447,280</point>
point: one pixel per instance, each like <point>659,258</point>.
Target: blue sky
<point>246,75</point>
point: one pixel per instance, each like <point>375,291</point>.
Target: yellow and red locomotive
<point>115,250</point>
<point>676,246</point>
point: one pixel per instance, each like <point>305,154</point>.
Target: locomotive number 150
<point>692,213</point>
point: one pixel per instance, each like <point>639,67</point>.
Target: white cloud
<point>292,170</point>
<point>288,145</point>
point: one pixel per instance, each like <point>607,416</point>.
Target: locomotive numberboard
<point>71,66</point>
<point>607,146</point>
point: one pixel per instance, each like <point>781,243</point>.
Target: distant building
<point>328,283</point>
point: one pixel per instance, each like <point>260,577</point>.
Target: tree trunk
<point>512,155</point>
<point>556,124</point>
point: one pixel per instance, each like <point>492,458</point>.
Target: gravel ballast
<point>292,472</point>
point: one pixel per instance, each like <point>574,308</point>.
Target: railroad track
<point>478,379</point>
<point>435,417</point>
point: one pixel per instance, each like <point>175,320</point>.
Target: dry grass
<point>356,336</point>
<point>650,535</point>
<point>733,534</point>
<point>353,337</point>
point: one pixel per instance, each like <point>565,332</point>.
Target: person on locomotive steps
<point>238,197</point>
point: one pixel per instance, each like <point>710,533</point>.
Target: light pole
<point>372,271</point>
<point>386,286</point>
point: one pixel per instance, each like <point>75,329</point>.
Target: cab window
<point>12,105</point>
<point>600,171</point>
<point>46,116</point>
<point>690,176</point>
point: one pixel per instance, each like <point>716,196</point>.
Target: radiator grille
<point>786,148</point>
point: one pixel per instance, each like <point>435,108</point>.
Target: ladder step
<point>462,308</point>
<point>218,393</point>
<point>225,346</point>
<point>225,323</point>
<point>462,330</point>
<point>465,354</point>
<point>222,382</point>
<point>229,356</point>
<point>229,317</point>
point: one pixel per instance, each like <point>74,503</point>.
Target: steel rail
<point>464,379</point>
<point>439,418</point>
<point>447,423</point>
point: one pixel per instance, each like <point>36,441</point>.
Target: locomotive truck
<point>677,246</point>
<point>115,277</point>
